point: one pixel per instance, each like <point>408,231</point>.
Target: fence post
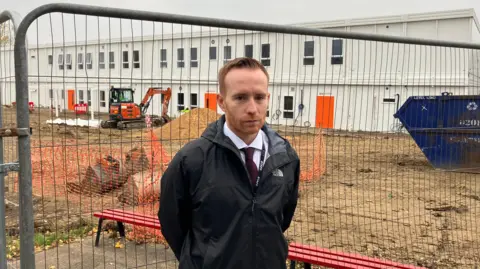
<point>26,227</point>
<point>14,17</point>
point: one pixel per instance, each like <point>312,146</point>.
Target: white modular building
<point>327,82</point>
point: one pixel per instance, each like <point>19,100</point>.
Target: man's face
<point>245,101</point>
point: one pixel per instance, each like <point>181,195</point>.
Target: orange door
<point>71,100</point>
<point>211,101</point>
<point>324,115</point>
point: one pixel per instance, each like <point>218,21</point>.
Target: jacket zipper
<point>253,231</point>
<point>254,201</point>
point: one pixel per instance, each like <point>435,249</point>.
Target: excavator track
<point>140,124</point>
<point>108,124</point>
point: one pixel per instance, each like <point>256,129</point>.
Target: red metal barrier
<point>31,106</point>
<point>81,108</point>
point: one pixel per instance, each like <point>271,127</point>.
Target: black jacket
<point>209,213</point>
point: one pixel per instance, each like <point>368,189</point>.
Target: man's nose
<point>251,106</point>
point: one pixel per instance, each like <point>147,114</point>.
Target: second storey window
<point>111,59</point>
<point>308,53</point>
<point>136,59</point>
<point>193,57</point>
<point>88,60</point>
<point>265,54</point>
<point>227,53</point>
<point>163,58</point>
<point>337,51</point>
<point>60,61</point>
<point>80,61</point>
<point>213,53</point>
<point>180,58</point>
<point>249,51</point>
<point>125,59</point>
<point>101,60</point>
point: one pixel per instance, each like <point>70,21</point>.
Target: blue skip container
<point>446,128</point>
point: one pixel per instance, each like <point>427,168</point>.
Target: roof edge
<point>437,15</point>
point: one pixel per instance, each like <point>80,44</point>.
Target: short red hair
<point>238,63</point>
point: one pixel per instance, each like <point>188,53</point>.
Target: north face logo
<point>277,173</point>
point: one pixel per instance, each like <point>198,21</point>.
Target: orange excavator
<point>126,114</point>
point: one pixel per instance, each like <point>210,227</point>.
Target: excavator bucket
<point>136,161</point>
<point>106,175</point>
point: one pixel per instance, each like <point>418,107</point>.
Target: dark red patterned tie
<point>251,166</point>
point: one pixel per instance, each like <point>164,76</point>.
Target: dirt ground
<point>379,195</point>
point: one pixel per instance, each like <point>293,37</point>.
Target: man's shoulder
<point>195,146</point>
<point>276,139</point>
<point>191,156</point>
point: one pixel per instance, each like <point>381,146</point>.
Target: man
<point>215,212</point>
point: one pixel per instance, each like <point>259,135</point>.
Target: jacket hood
<point>214,133</point>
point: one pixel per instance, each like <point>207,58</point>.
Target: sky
<point>263,11</point>
<point>266,11</point>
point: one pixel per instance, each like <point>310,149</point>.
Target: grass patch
<point>47,240</point>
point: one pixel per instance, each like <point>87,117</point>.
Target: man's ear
<point>221,101</point>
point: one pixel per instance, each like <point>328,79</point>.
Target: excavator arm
<point>148,97</point>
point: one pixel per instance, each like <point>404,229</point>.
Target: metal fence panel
<point>368,181</point>
<point>8,154</point>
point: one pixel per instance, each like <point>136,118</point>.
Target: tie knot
<point>249,153</point>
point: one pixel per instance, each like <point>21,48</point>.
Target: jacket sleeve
<point>291,205</point>
<point>174,212</point>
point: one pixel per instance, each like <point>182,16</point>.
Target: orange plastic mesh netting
<point>148,196</point>
<point>312,152</point>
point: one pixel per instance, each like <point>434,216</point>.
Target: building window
<point>102,99</point>
<point>50,59</point>
<point>337,51</point>
<point>60,62</point>
<point>288,107</point>
<point>81,97</point>
<point>111,58</point>
<point>308,53</point>
<point>163,58</point>
<point>193,100</point>
<point>136,59</point>
<point>125,59</point>
<point>227,53</point>
<point>101,60</point>
<point>89,97</point>
<point>249,51</point>
<point>265,55</point>
<point>68,61</point>
<point>193,57</point>
<point>180,58</point>
<point>180,101</point>
<point>50,93</point>
<point>88,60</point>
<point>80,61</point>
<point>213,53</point>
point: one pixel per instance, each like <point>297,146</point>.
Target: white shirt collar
<point>239,143</point>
